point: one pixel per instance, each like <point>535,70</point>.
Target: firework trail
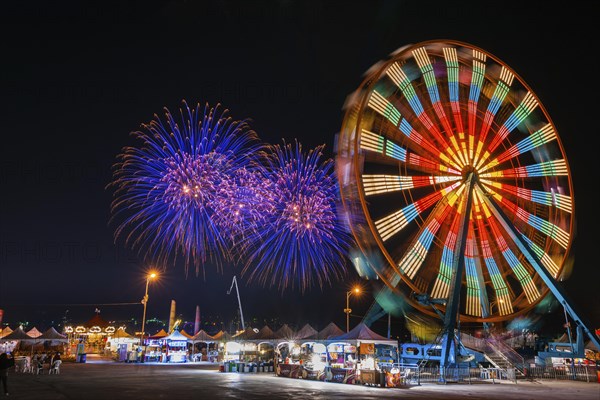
<point>175,195</point>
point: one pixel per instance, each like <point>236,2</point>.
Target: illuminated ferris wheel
<point>457,181</point>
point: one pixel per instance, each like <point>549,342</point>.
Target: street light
<point>150,276</point>
<point>495,303</point>
<point>490,313</point>
<point>347,310</point>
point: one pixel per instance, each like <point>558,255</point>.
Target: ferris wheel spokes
<point>548,279</point>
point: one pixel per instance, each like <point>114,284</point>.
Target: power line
<point>73,304</point>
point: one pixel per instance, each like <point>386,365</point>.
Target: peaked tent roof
<point>202,336</point>
<point>363,333</point>
<point>222,336</point>
<point>17,334</point>
<point>160,334</point>
<point>121,334</point>
<point>5,331</point>
<point>306,331</point>
<point>329,331</point>
<point>265,333</point>
<point>33,332</point>
<point>285,332</point>
<point>248,334</point>
<point>52,334</point>
<point>176,335</point>
<point>187,335</point>
<point>96,320</point>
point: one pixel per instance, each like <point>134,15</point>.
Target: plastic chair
<point>38,368</point>
<point>27,365</point>
<point>55,368</point>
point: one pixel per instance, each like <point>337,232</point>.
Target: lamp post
<point>347,310</point>
<point>150,276</point>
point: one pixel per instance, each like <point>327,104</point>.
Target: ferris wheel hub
<point>469,170</point>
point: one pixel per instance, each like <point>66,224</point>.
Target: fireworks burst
<point>174,194</point>
<point>301,238</point>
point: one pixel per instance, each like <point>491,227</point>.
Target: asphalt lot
<point>99,379</point>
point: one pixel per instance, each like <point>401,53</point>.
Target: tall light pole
<point>347,310</point>
<point>150,276</point>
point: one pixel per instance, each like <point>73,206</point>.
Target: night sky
<point>77,79</point>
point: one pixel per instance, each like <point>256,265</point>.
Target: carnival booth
<point>265,347</point>
<point>222,338</point>
<point>120,343</point>
<point>303,354</point>
<point>18,339</point>
<point>156,348</point>
<point>205,353</point>
<point>51,339</point>
<point>372,359</point>
<point>356,356</point>
<point>176,347</point>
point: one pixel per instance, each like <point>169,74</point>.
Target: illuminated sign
<point>178,343</point>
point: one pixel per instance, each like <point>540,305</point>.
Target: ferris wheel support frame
<point>548,279</point>
<point>451,315</point>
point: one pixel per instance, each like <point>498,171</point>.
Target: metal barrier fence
<point>583,373</point>
<point>460,374</point>
<point>468,375</point>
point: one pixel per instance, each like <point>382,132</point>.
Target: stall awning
<point>176,335</point>
<point>363,333</point>
<point>202,336</point>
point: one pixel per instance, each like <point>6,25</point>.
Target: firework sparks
<point>173,193</point>
<point>300,238</point>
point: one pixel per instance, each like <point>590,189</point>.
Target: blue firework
<point>174,193</point>
<point>300,241</point>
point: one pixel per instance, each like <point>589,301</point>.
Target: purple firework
<point>175,193</point>
<point>301,239</point>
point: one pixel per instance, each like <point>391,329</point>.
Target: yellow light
<point>152,275</point>
<point>356,290</point>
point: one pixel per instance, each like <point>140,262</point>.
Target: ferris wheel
<point>456,180</point>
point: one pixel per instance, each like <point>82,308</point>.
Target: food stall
<point>119,343</point>
<point>358,356</point>
<point>156,347</point>
<point>176,347</point>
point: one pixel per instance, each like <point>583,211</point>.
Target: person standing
<point>6,362</point>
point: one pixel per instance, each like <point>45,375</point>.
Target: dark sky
<point>76,79</point>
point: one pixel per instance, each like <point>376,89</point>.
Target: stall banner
<point>289,370</point>
<point>340,375</point>
<point>367,348</point>
<point>312,374</point>
<point>369,376</point>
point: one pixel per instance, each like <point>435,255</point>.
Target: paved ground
<point>115,381</point>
